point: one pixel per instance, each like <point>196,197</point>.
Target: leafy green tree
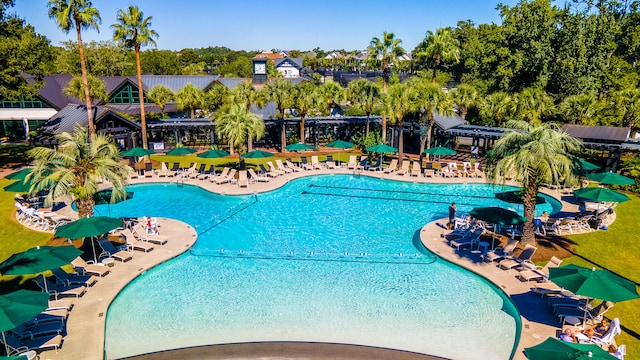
<point>160,62</point>
<point>497,107</point>
<point>76,166</point>
<point>305,99</point>
<point>533,104</point>
<point>78,14</point>
<point>580,109</point>
<point>103,58</point>
<point>330,95</point>
<point>190,97</point>
<point>626,103</point>
<point>465,96</point>
<point>534,156</point>
<point>398,102</point>
<point>366,96</point>
<point>194,69</point>
<point>280,91</point>
<point>236,124</point>
<point>133,31</point>
<point>161,95</point>
<point>245,94</point>
<point>438,48</point>
<point>97,88</point>
<point>430,99</point>
<point>216,98</point>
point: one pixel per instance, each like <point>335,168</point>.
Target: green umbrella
<point>515,197</point>
<point>600,194</point>
<point>299,147</point>
<point>181,151</point>
<point>340,144</point>
<point>440,151</point>
<point>24,184</point>
<point>610,178</point>
<point>497,215</point>
<point>257,154</point>
<point>87,227</point>
<point>584,165</point>
<point>39,259</point>
<point>104,197</point>
<point>382,148</point>
<point>21,186</point>
<point>20,306</point>
<point>592,283</point>
<point>19,175</point>
<point>213,154</point>
<point>137,152</point>
<point>555,349</point>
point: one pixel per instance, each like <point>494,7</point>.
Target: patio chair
<point>477,170</point>
<point>243,181</point>
<point>587,315</point>
<point>82,267</point>
<point>453,169</point>
<point>65,279</point>
<point>163,170</point>
<point>22,332</point>
<point>375,167</point>
<point>472,239</point>
<point>42,343</point>
<point>468,170</point>
<point>223,173</point>
<point>272,168</point>
<point>330,163</point>
<point>523,257</point>
<point>540,272</point>
<point>148,170</point>
<point>282,168</point>
<point>415,169</point>
<point>198,172</point>
<point>48,316</point>
<point>58,290</point>
<point>392,167</point>
<point>266,172</point>
<point>135,244</point>
<point>255,177</point>
<point>207,173</point>
<point>500,253</point>
<point>292,166</point>
<point>305,164</point>
<point>404,169</point>
<point>143,235</point>
<point>108,250</point>
<point>60,304</point>
<point>191,169</point>
<point>174,170</point>
<point>351,165</point>
<point>608,337</point>
<point>230,178</point>
<point>315,163</point>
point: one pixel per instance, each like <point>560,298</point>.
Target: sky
<point>265,25</point>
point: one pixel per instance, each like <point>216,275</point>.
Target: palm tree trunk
<point>143,120</point>
<point>85,84</point>
<point>283,132</point>
<point>249,142</point>
<point>231,148</point>
<point>384,116</point>
<point>400,141</point>
<point>85,207</point>
<point>436,63</point>
<point>193,112</point>
<point>302,129</point>
<point>366,130</point>
<point>427,144</point>
<point>529,200</point>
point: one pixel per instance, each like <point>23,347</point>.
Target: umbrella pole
<point>93,247</point>
<point>44,281</point>
<point>4,341</point>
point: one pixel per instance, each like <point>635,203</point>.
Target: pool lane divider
<point>431,201</point>
<point>233,211</point>
<point>396,191</point>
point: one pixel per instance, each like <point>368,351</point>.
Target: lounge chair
<point>223,174</point>
<point>472,239</point>
<point>539,273</point>
<point>174,170</point>
<point>375,167</point>
<point>135,244</point>
<point>351,165</point>
<point>281,167</point>
<point>404,169</point>
<point>108,250</point>
<point>64,304</point>
<point>48,316</point>
<point>58,290</point>
<point>609,335</point>
<point>453,169</point>
<point>22,332</point>
<point>292,166</point>
<point>163,170</point>
<point>415,169</point>
<point>64,279</point>
<point>82,267</point>
<point>500,253</point>
<point>243,181</point>
<point>229,178</point>
<point>363,163</point>
<point>142,234</point>
<point>315,163</point>
<point>42,343</point>
<point>593,315</point>
<point>272,168</point>
<point>429,171</point>
<point>207,173</point>
<point>305,164</point>
<point>330,163</point>
<point>148,170</point>
<point>200,171</point>
<point>191,169</point>
<point>515,262</point>
<point>268,173</point>
<point>468,170</point>
<point>255,177</point>
<point>392,167</point>
<point>477,170</point>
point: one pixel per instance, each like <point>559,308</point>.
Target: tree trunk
<point>249,142</point>
<point>529,199</point>
<point>85,207</point>
<point>384,116</point>
<point>436,63</point>
<point>400,141</point>
<point>302,129</point>
<point>143,121</point>
<point>366,130</point>
<point>85,85</point>
<point>427,145</point>
<point>283,132</point>
<point>231,148</point>
<point>193,112</point>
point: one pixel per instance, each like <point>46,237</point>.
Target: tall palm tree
<point>235,123</point>
<point>331,94</point>
<point>581,108</point>
<point>439,47</point>
<point>75,167</point>
<point>465,96</point>
<point>386,52</point>
<point>280,92</point>
<point>430,99</point>
<point>534,155</point>
<point>190,97</point>
<point>532,104</point>
<point>78,14</point>
<point>132,30</point>
<point>398,102</point>
<point>366,96</point>
<point>626,103</point>
<point>245,93</point>
<point>497,107</point>
<point>97,88</point>
<point>161,95</point>
<point>305,99</point>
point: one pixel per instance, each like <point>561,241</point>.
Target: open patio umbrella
<point>340,144</point>
<point>497,215</point>
<point>257,154</point>
<point>299,147</point>
<point>88,227</point>
<point>18,307</point>
<point>600,194</point>
<point>20,174</point>
<point>584,165</point>
<point>592,283</point>
<point>21,186</point>
<point>610,178</point>
<point>213,154</point>
<point>137,152</point>
<point>181,151</point>
<point>555,349</point>
<point>440,151</point>
<point>515,197</point>
<point>382,148</point>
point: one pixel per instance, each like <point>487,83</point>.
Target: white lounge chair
<point>142,234</point>
<point>229,178</point>
<point>500,253</point>
<point>292,166</point>
<point>392,166</point>
<point>135,244</point>
<point>108,250</point>
<point>415,169</point>
<point>315,164</point>
<point>404,169</point>
<point>281,167</point>
<point>222,175</point>
<point>351,165</point>
<point>520,260</point>
<point>82,267</point>
<point>255,177</point>
<point>243,181</point>
<point>272,168</point>
<point>540,272</point>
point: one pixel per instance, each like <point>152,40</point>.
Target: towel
<point>607,338</point>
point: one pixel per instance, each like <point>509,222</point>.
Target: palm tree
<point>245,93</point>
<point>331,94</point>
<point>190,97</point>
<point>439,47</point>
<point>364,95</point>
<point>279,91</point>
<point>78,14</point>
<point>400,100</point>
<point>534,155</point>
<point>532,104</point>
<point>305,99</point>
<point>497,107</point>
<point>627,105</point>
<point>430,99</point>
<point>132,31</point>
<point>97,88</point>
<point>75,167</point>
<point>465,96</point>
<point>236,124</point>
<point>386,52</point>
<point>580,109</point>
<point>161,95</point>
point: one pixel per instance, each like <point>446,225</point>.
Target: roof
<point>268,55</point>
<point>447,122</point>
<point>230,83</point>
<point>182,122</point>
<point>602,134</point>
<point>67,118</point>
<point>295,62</point>
<point>177,82</point>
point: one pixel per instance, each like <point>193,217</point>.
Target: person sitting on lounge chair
<point>598,329</point>
<point>568,336</point>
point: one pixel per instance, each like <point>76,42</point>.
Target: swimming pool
<point>325,259</point>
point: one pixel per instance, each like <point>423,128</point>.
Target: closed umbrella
<point>610,178</point>
<point>181,151</point>
<point>299,147</point>
<point>382,148</point>
<point>213,154</point>
<point>18,307</point>
<point>555,349</point>
<point>592,283</point>
<point>88,227</point>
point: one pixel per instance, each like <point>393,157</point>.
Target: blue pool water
<point>323,259</point>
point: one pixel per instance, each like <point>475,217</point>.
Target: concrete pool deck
<point>86,322</point>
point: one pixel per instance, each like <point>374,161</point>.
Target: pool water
<point>324,259</point>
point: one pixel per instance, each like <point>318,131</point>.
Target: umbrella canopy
<point>515,197</point>
<point>104,197</point>
<point>19,175</point>
<point>21,186</point>
<point>440,151</point>
<point>20,306</point>
<point>213,154</point>
<point>555,349</point>
<point>584,165</point>
<point>382,148</point>
<point>497,215</point>
<point>137,152</point>
<point>340,144</point>
<point>257,154</point>
<point>39,259</point>
<point>87,227</point>
<point>299,147</point>
<point>611,178</point>
<point>597,284</point>
<point>181,151</point>
<point>600,194</point>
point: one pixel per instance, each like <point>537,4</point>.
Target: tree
<point>430,99</point>
<point>246,95</point>
<point>465,96</point>
<point>132,30</point>
<point>76,166</point>
<point>580,109</point>
<point>161,95</point>
<point>398,102</point>
<point>438,48</point>
<point>160,62</point>
<point>82,15</point>
<point>497,107</point>
<point>366,96</point>
<point>305,99</point>
<point>385,51</point>
<point>190,97</point>
<point>534,155</point>
<point>330,95</point>
<point>532,104</point>
<point>626,104</point>
<point>279,91</point>
<point>97,88</point>
<point>236,124</point>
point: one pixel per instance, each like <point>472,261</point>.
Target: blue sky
<point>265,25</point>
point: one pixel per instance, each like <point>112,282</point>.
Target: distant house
<point>289,67</point>
<point>334,55</point>
<point>270,55</point>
